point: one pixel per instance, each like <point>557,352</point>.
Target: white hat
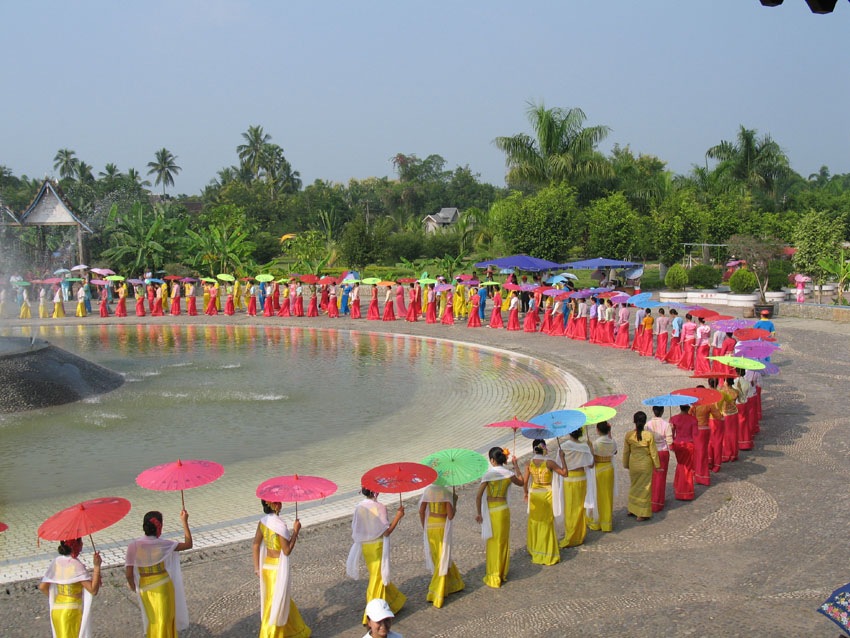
<point>378,609</point>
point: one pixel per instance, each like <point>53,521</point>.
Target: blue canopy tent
<point>522,262</point>
<point>598,263</point>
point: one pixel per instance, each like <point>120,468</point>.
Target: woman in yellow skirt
<point>541,539</point>
<point>459,300</point>
<point>370,530</point>
<point>152,569</point>
<point>273,544</point>
<point>42,303</point>
<point>604,449</point>
<point>81,301</point>
<point>436,511</point>
<point>639,458</point>
<point>579,488</point>
<point>70,589</point>
<point>26,312</point>
<point>58,305</point>
<point>495,518</point>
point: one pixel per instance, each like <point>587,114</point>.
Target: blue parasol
<point>561,422</point>
<point>538,433</point>
<point>154,281</point>
<point>647,304</point>
<point>837,608</point>
<point>669,400</point>
<point>643,296</point>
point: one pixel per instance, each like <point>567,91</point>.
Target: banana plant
<point>840,269</point>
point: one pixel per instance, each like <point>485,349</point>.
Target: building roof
<point>444,216</point>
<point>51,208</point>
<point>7,217</point>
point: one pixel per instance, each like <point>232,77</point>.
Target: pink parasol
<point>801,279</point>
<point>515,424</point>
<point>620,299</point>
<point>99,282</point>
<point>289,489</point>
<point>396,478</point>
<point>84,519</point>
<point>464,277</point>
<point>443,287</point>
<point>704,396</point>
<point>52,280</point>
<point>179,475</point>
<point>103,271</point>
<point>511,287</point>
<point>4,527</point>
<point>608,401</point>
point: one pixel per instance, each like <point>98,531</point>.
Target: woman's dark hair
<point>576,434</point>
<point>657,410</point>
<point>267,507</point>
<point>674,312</point>
<point>65,549</point>
<point>639,421</point>
<point>729,381</point>
<point>538,445</point>
<point>147,525</point>
<point>604,427</point>
<point>661,311</point>
<point>688,316</point>
<point>728,334</point>
<point>684,408</point>
<point>498,455</point>
<point>701,319</point>
<point>367,492</point>
<point>712,383</point>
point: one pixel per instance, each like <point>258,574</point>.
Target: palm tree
<point>562,150</point>
<point>65,162</point>
<point>110,172</point>
<point>164,167</point>
<point>251,151</point>
<point>134,176</point>
<point>83,172</point>
<point>753,162</point>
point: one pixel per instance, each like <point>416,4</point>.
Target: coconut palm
<point>164,167</point>
<point>754,162</point>
<point>110,172</point>
<point>65,162</point>
<point>134,176</point>
<point>251,152</point>
<point>562,149</point>
<point>83,172</point>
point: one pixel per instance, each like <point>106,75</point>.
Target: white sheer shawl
<point>279,612</point>
<point>606,446</point>
<point>149,551</point>
<point>65,570</point>
<point>578,455</point>
<point>369,524</point>
<point>438,494</point>
<point>495,473</point>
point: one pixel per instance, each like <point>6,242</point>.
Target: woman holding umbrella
<point>369,527</point>
<point>191,303</point>
<point>58,304</point>
<point>70,588</point>
<point>474,320</point>
<point>140,300</point>
<point>157,302</point>
<point>355,300</point>
<point>496,525</point>
<point>639,458</point>
<point>313,306</point>
<point>513,313</point>
<point>448,314</point>
<point>389,314</point>
<point>81,302</point>
<point>436,511</point>
<point>496,314</point>
<point>273,544</point>
<point>152,569</point>
<point>541,539</point>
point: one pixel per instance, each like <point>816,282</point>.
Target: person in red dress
<point>229,308</point>
<point>418,298</point>
<point>354,301</point>
<point>580,330</point>
<point>333,309</point>
<point>674,351</point>
<point>411,304</point>
<point>546,326</point>
<point>275,297</point>
<point>474,320</point>
<point>689,330</point>
<point>622,339</point>
<point>448,313</point>
<point>252,301</point>
<point>431,309</point>
<point>313,306</point>
<point>284,310</point>
<point>294,301</point>
<point>513,313</point>
<point>701,363</point>
<point>267,306</point>
<point>662,431</point>
<point>175,298</point>
<point>323,301</point>
<point>556,324</point>
<point>645,347</point>
<point>661,325</point>
<point>191,303</point>
<point>157,303</point>
<point>151,296</point>
<point>684,428</point>
<point>496,314</point>
<point>400,307</point>
<point>104,306</point>
<point>372,313</point>
<point>140,301</point>
<point>389,315</point>
<point>121,308</point>
<point>529,323</point>
<point>707,417</point>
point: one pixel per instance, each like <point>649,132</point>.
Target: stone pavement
<point>753,555</point>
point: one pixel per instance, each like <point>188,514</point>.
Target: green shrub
<point>676,278</point>
<point>704,276</point>
<point>777,274</point>
<point>742,282</point>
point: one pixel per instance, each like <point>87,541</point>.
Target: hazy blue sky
<point>344,86</point>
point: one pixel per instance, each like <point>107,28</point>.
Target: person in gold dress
<point>436,511</point>
<point>542,542</point>
<point>640,457</point>
<point>70,589</point>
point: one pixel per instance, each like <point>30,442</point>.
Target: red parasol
<point>172,277</point>
<point>245,278</point>
<point>84,519</point>
<point>609,294</point>
<point>705,396</point>
<point>53,280</point>
<point>515,424</point>
<point>398,477</point>
<point>609,401</point>
<point>563,296</point>
<point>309,279</point>
<point>407,280</point>
<point>750,334</point>
<point>720,318</point>
<point>179,475</point>
<point>464,277</point>
<point>704,313</point>
<point>289,489</point>
<point>327,280</point>
<point>713,375</point>
<point>511,287</point>
<point>4,527</point>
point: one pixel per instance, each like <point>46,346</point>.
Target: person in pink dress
<point>496,314</point>
<point>556,323</point>
<point>313,306</point>
<point>662,322</point>
<point>621,341</point>
<point>293,300</point>
<point>662,431</point>
<point>140,301</point>
<point>474,320</point>
<point>333,308</point>
<point>727,347</point>
<point>684,429</point>
<point>546,326</point>
<point>157,303</point>
<point>389,315</point>
<point>372,313</point>
<point>513,313</point>
<point>411,304</point>
<point>323,300</point>
<point>150,295</point>
<point>211,308</point>
<point>354,301</point>
<point>229,308</point>
<point>400,306</point>
<point>580,325</point>
<point>529,323</point>
<point>175,298</point>
<point>252,300</point>
<point>431,308</point>
<point>191,302</point>
<point>689,331</point>
<point>674,351</point>
<point>448,312</point>
<point>702,365</point>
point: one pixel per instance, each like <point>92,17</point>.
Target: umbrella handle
<point>296,510</point>
<point>399,499</point>
<point>514,441</point>
<point>182,500</point>
<point>93,548</point>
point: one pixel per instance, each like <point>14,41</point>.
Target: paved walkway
<point>753,555</point>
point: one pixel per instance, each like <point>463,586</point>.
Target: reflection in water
<point>236,393</point>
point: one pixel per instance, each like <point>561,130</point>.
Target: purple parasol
<point>731,325</point>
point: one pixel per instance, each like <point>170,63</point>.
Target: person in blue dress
<point>482,297</point>
<point>87,291</point>
<point>66,289</point>
<point>262,294</point>
<point>343,305</point>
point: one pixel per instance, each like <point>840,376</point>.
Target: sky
<point>344,86</point>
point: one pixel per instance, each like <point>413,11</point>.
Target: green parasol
<point>265,277</point>
<point>226,277</point>
<point>350,281</point>
<point>597,413</point>
<point>114,278</point>
<point>739,362</point>
<point>427,280</point>
<point>457,466</point>
<point>209,280</point>
<point>371,281</point>
<point>21,283</point>
<point>73,279</point>
<point>489,283</point>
